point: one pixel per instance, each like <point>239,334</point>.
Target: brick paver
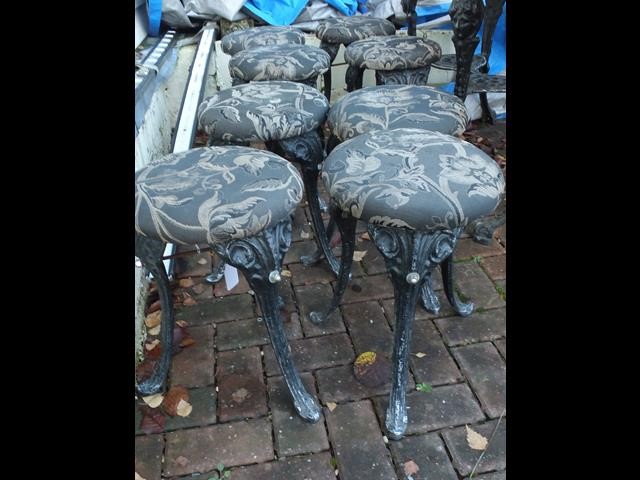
<point>252,332</point>
<point>445,406</point>
<point>496,266</point>
<point>203,403</point>
<point>467,249</point>
<point>428,452</point>
<point>193,366</point>
<point>317,297</point>
<point>148,456</point>
<point>200,450</point>
<point>476,285</point>
<point>464,458</point>
<point>501,345</point>
<point>218,310</point>
<point>357,440</point>
<point>368,328</point>
<point>192,264</point>
<point>375,287</point>
<point>486,371</point>
<point>477,327</point>
<point>490,476</point>
<point>241,388</point>
<point>436,367</point>
<point>294,436</point>
<point>306,467</point>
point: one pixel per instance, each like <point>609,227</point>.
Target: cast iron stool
<point>416,190</point>
<point>334,32</point>
<point>286,116</point>
<point>297,63</point>
<point>396,60</point>
<point>250,38</point>
<point>238,200</point>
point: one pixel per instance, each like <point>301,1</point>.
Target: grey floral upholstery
<point>258,37</point>
<point>349,29</point>
<point>392,53</point>
<point>213,195</point>
<point>279,62</point>
<point>262,111</point>
<point>412,178</point>
<point>384,107</point>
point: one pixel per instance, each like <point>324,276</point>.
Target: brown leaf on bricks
<point>358,255</point>
<point>152,420</point>
<point>475,440</point>
<point>186,282</point>
<point>172,399</point>
<point>410,467</point>
<point>152,319</point>
<point>184,408</point>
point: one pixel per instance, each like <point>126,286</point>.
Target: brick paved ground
<point>257,435</point>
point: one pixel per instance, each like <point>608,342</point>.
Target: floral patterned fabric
<point>349,29</point>
<point>279,62</point>
<point>392,53</point>
<point>384,107</point>
<point>258,37</point>
<point>212,195</point>
<point>412,178</point>
<point>262,111</point>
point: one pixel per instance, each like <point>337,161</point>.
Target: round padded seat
<point>258,37</point>
<point>215,194</point>
<point>279,62</point>
<point>349,29</point>
<point>412,178</point>
<point>392,53</point>
<point>383,107</point>
<point>262,111</point>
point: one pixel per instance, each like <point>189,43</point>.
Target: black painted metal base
<point>353,78</point>
<point>307,150</point>
<point>411,76</point>
<point>217,273</point>
<point>150,251</point>
<point>466,16</point>
<point>484,228</point>
<point>260,260</point>
<point>332,50</point>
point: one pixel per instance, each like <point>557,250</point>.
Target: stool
<point>287,117</point>
<point>334,32</point>
<point>297,63</point>
<point>259,37</point>
<point>449,62</point>
<point>396,60</point>
<point>416,190</point>
<point>238,200</point>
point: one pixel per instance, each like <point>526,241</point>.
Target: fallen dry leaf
<point>152,420</point>
<point>154,400</point>
<point>365,236</point>
<point>184,408</point>
<point>151,345</point>
<point>152,319</point>
<point>202,261</point>
<point>358,255</point>
<point>182,461</point>
<point>138,477</point>
<point>186,282</point>
<point>331,406</point>
<point>187,342</point>
<point>181,323</point>
<point>286,273</point>
<point>154,331</point>
<point>172,399</point>
<point>410,467</point>
<point>475,440</point>
<point>420,354</point>
<point>154,307</point>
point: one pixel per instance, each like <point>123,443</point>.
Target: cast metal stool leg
<point>409,8</point>
<point>461,308</point>
<point>217,273</point>
<point>410,76</point>
<point>429,298</point>
<point>332,50</point>
<point>410,256</point>
<point>353,78</point>
<point>346,223</point>
<point>466,16</point>
<point>260,259</point>
<point>150,251</point>
<point>307,150</point>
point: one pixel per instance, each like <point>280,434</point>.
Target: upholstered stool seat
<point>286,116</point>
<point>384,107</point>
<point>258,37</point>
<point>334,32</point>
<point>297,63</point>
<point>215,194</point>
<point>396,60</point>
<point>239,201</point>
<point>416,190</point>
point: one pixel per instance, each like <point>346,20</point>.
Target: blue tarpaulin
<point>284,12</point>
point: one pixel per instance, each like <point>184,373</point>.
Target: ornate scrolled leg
<point>353,78</point>
<point>332,143</point>
<point>316,255</point>
<point>411,76</point>
<point>307,149</point>
<point>311,81</point>
<point>466,16</point>
<point>347,225</point>
<point>260,259</point>
<point>483,229</point>
<point>429,298</point>
<point>150,251</point>
<point>217,273</point>
<point>332,50</point>
<point>461,308</point>
<point>410,256</point>
<point>409,8</point>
